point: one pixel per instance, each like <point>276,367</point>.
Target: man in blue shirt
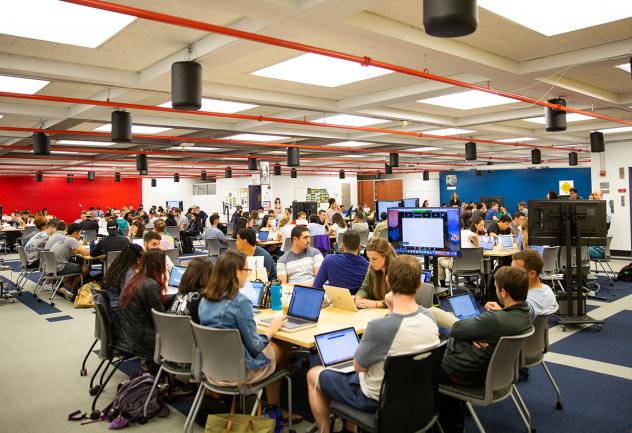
<point>315,227</point>
<point>344,270</point>
<point>247,243</point>
<point>492,211</point>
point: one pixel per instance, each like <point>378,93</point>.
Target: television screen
<point>546,221</point>
<point>174,203</point>
<point>410,202</point>
<point>382,206</point>
<point>425,231</point>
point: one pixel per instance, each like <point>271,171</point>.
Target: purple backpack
<point>127,406</point>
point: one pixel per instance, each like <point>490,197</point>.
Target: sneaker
<point>66,293</point>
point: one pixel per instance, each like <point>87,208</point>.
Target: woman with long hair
<point>278,207</point>
<point>136,229</point>
<point>374,287</point>
<point>193,282</point>
<point>454,200</point>
<point>121,271</point>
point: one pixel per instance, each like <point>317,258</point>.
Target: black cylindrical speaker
<point>388,169</point>
<point>572,158</point>
<point>252,164</point>
<point>555,120</point>
<point>154,183</point>
<point>70,178</point>
<point>186,85</point>
<point>478,172</point>
<point>490,163</point>
<point>176,177</point>
<point>228,173</point>
<point>203,175</point>
<point>470,151</point>
<point>536,156</point>
<point>393,159</point>
<point>277,169</point>
<point>596,142</point>
<point>426,175</point>
<point>117,177</point>
<point>378,175</point>
<point>293,173</point>
<point>121,126</point>
<point>141,162</point>
<point>450,18</point>
<point>39,176</point>
<point>341,174</point>
<point>91,175</point>
<point>143,172</point>
<point>41,144</point>
<point>293,157</point>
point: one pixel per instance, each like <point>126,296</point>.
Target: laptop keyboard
<point>344,365</point>
<point>297,321</point>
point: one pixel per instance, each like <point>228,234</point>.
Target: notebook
<point>341,298</point>
<point>304,309</point>
<point>336,349</point>
<point>464,306</point>
<point>176,275</point>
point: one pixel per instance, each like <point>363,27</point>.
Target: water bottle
<point>91,246</point>
<point>276,302</point>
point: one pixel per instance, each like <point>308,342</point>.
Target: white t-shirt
<point>466,239</point>
<point>541,301</point>
<point>286,232</point>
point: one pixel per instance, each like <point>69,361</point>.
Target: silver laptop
<point>341,298</point>
<point>304,309</point>
<point>336,349</point>
<point>464,306</point>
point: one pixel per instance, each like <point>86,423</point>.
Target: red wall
<point>66,200</point>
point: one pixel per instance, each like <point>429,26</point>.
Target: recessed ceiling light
<point>570,117</point>
<point>21,85</point>
<point>233,159</point>
<point>219,106</point>
<point>568,145</point>
<point>84,143</point>
<point>468,100</point>
<point>255,137</point>
<point>194,149</point>
<point>515,140</point>
<point>350,120</point>
<point>423,149</point>
<point>578,14</point>
<point>277,152</point>
<point>60,152</point>
<point>448,131</point>
<point>1,116</point>
<point>61,22</point>
<point>320,71</point>
<point>136,129</point>
<point>353,156</point>
<point>616,130</point>
<point>349,144</point>
<point>625,67</point>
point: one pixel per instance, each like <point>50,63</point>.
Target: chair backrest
<point>173,231</point>
<point>410,386</point>
<point>227,364</point>
<point>91,235</point>
<point>174,338</point>
<point>322,243</point>
<point>50,263</point>
<point>364,238</point>
<point>550,256</point>
<point>470,260</point>
<point>110,257</point>
<point>488,223</point>
<point>231,244</point>
<point>212,245</point>
<point>103,324</point>
<point>24,261</point>
<point>607,249</point>
<point>537,344</point>
<point>174,255</point>
<point>28,230</point>
<point>287,244</point>
<point>424,295</point>
<point>503,367</point>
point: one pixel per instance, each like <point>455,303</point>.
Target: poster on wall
<point>451,181</point>
<point>243,197</point>
<point>266,196</point>
<point>565,186</point>
<point>264,173</point>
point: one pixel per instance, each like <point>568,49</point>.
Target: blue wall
<point>514,185</point>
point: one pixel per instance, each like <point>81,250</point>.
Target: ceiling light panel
<point>350,120</point>
<point>219,106</point>
<point>423,149</point>
<point>61,22</point>
<point>578,14</point>
<point>349,144</point>
<point>193,149</point>
<point>468,100</point>
<point>83,143</point>
<point>320,71</point>
<point>570,117</point>
<point>515,140</point>
<point>136,129</point>
<point>625,67</point>
<point>616,130</point>
<point>255,137</point>
<point>448,131</point>
<point>21,85</point>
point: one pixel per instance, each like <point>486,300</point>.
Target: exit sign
<point>623,190</point>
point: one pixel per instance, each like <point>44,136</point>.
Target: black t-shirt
<point>90,225</point>
<point>494,228</point>
<point>110,243</point>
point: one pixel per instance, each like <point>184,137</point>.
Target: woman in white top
<point>285,231</point>
<point>338,227</point>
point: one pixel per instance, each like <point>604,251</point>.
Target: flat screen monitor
<point>425,231</point>
<point>410,202</point>
<point>174,203</point>
<point>547,221</point>
<point>309,207</point>
<point>382,206</point>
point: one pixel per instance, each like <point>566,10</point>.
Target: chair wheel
<point>559,405</point>
<point>94,390</point>
<point>83,372</point>
<point>34,295</point>
<point>95,415</point>
<point>143,420</point>
<point>52,304</point>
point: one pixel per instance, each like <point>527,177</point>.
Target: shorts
<point>345,388</point>
<point>70,268</point>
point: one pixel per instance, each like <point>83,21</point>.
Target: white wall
<point>616,156</point>
<point>416,187</point>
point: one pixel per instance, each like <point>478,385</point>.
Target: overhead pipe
<point>362,60</point>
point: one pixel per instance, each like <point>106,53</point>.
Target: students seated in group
<point>57,236</point>
<point>315,227</point>
<point>492,212</point>
<point>285,231</point>
<point>522,207</point>
<point>472,341</point>
<point>120,272</point>
<point>516,222</point>
<point>573,195</point>
<point>360,223</point>
<point>38,241</point>
<point>166,240</point>
<point>136,229</point>
<point>338,227</point>
<point>374,286</point>
<point>213,232</point>
<point>332,210</point>
<point>90,223</point>
<point>501,227</point>
<point>346,270</point>
<point>301,219</point>
<point>192,284</point>
<point>409,328</point>
<point>299,265</point>
<point>267,225</point>
<point>147,289</point>
<point>247,244</point>
<point>114,241</point>
<point>469,239</point>
<point>382,226</point>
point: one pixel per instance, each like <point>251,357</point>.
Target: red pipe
<point>364,61</point>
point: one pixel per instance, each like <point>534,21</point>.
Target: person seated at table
<point>81,218</point>
<point>360,223</point>
<point>166,240</point>
<point>346,270</point>
<point>114,241</point>
<point>136,229</point>
<point>120,271</point>
<point>409,328</point>
<point>267,225</point>
<point>516,221</point>
<point>235,216</point>
<point>481,210</point>
<point>90,223</point>
<point>299,265</point>
<point>285,231</point>
<point>123,224</point>
<point>213,232</point>
<point>223,306</point>
<point>382,226</point>
<point>492,212</point>
<point>573,194</point>
<point>322,218</point>
<point>338,227</point>
<point>501,227</point>
<point>153,217</point>
<point>64,250</point>
<point>181,220</point>
<point>57,236</point>
<point>38,241</point>
<point>315,227</point>
<point>247,244</point>
<point>374,287</point>
<point>193,282</point>
<point>191,230</point>
<point>469,239</point>
<point>522,207</point>
<point>301,219</point>
<point>242,223</point>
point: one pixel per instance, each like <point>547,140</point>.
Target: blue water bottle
<point>91,247</point>
<point>276,303</point>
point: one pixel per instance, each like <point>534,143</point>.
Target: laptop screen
<point>486,242</point>
<point>139,242</point>
<point>252,290</point>
<point>464,306</point>
<point>306,302</point>
<point>337,346</point>
<point>507,241</point>
<point>426,276</point>
<point>263,236</point>
<point>176,275</point>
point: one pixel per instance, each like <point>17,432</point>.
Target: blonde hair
<point>525,234</point>
<point>383,248</point>
<point>283,221</point>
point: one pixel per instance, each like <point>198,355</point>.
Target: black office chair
<point>409,398</point>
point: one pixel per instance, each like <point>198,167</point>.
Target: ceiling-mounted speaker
<point>252,164</point>
<point>39,176</point>
<point>154,183</point>
<point>393,159</point>
<point>378,175</point>
<point>341,174</point>
<point>426,175</point>
<point>293,157</point>
<point>41,144</point>
<point>141,162</point>
<point>490,163</point>
<point>121,126</point>
<point>186,85</point>
<point>450,18</point>
<point>293,173</point>
<point>572,158</point>
<point>228,172</point>
<point>555,120</point>
<point>478,172</point>
<point>596,142</point>
<point>143,172</point>
<point>176,177</point>
<point>536,156</point>
<point>277,169</point>
<point>70,178</point>
<point>388,169</point>
<point>117,177</point>
<point>470,151</point>
<point>203,175</point>
<point>91,175</point>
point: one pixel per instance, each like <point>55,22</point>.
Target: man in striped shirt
<point>299,265</point>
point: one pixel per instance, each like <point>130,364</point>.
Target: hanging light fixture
<point>117,177</point>
<point>341,174</point>
<point>450,18</point>
<point>228,173</point>
<point>572,159</point>
<point>176,177</point>
<point>154,183</point>
<point>186,85</point>
<point>378,175</point>
<point>426,175</point>
<point>143,172</point>
<point>39,176</point>
<point>394,159</point>
<point>203,175</point>
<point>478,172</point>
<point>388,169</point>
<point>121,126</point>
<point>141,162</point>
<point>41,144</point>
<point>252,164</point>
<point>293,173</point>
<point>277,169</point>
<point>293,157</point>
<point>555,120</point>
<point>596,142</point>
<point>70,178</point>
<point>470,151</point>
<point>490,163</point>
<point>91,175</point>
<point>536,156</point>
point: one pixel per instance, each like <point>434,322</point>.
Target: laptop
<point>507,242</point>
<point>336,349</point>
<point>304,309</point>
<point>253,290</point>
<point>139,242</point>
<point>426,276</point>
<point>486,242</point>
<point>263,236</point>
<point>341,298</point>
<point>464,306</point>
<point>176,275</point>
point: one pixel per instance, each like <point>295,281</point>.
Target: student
<point>285,231</point>
<point>181,220</point>
<point>136,230</point>
<point>299,265</point>
<point>153,241</point>
<point>598,195</point>
<point>191,230</point>
<point>301,219</point>
<point>516,221</point>
<point>40,224</point>
<point>114,241</point>
<point>454,200</point>
<point>57,236</point>
<point>267,225</point>
<point>193,282</point>
<point>344,270</point>
<point>374,287</point>
<point>501,227</point>
<point>522,207</point>
<point>382,225</point>
<point>247,244</point>
<point>120,272</point>
<point>426,203</point>
<point>409,328</point>
<point>551,195</point>
<point>322,219</point>
<point>469,239</point>
<point>333,210</point>
<point>492,212</point>
<point>277,207</point>
<point>338,227</point>
<point>315,227</point>
<point>90,223</point>
<point>215,233</point>
<point>573,194</point>
<point>123,225</point>
<point>481,211</point>
<point>359,222</point>
<point>66,248</point>
<point>167,241</point>
<point>38,241</point>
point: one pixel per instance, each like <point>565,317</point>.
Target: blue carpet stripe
<point>27,299</point>
<point>59,318</point>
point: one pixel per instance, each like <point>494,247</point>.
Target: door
<point>254,197</point>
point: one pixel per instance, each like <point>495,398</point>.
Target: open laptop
<point>464,306</point>
<point>507,242</point>
<point>336,349</point>
<point>175,276</point>
<point>139,242</point>
<point>486,242</point>
<point>426,276</point>
<point>340,298</point>
<point>304,309</point>
<point>263,236</point>
<point>253,290</point>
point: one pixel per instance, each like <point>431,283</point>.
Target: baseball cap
<point>112,226</point>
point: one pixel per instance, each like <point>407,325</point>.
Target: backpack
<point>625,274</point>
<point>84,295</point>
<point>127,406</point>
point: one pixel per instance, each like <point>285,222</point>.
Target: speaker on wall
<point>393,159</point>
<point>277,169</point>
<point>70,178</point>
<point>572,158</point>
<point>388,169</point>
<point>228,172</point>
<point>176,177</point>
<point>426,175</point>
<point>91,175</point>
<point>341,174</point>
<point>293,173</point>
<point>117,177</point>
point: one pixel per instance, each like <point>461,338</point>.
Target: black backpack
<point>625,274</point>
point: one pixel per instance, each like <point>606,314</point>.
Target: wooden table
<point>502,253</point>
<point>268,243</point>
